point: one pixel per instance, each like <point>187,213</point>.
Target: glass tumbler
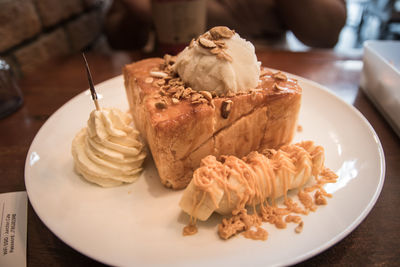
<point>177,22</point>
<point>10,93</point>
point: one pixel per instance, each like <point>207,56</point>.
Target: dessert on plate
<point>234,186</point>
<point>214,98</point>
<point>235,183</point>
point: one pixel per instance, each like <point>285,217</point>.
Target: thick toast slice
<point>181,130</point>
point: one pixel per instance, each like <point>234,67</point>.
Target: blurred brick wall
<point>34,31</point>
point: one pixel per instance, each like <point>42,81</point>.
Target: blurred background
<point>366,20</point>
<point>35,31</point>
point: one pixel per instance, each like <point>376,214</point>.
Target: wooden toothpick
<point>91,86</point>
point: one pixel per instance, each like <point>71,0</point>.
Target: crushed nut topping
<point>173,90</point>
<point>160,82</point>
<point>264,72</point>
<point>186,93</point>
<point>200,101</point>
<point>226,108</point>
<point>319,198</point>
<point>195,97</point>
<point>279,76</point>
<point>278,87</point>
<point>213,42</point>
<point>206,43</point>
<point>207,95</point>
<point>299,228</point>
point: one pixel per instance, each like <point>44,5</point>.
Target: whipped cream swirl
<point>108,152</point>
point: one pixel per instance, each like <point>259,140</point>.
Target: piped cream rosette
<point>108,151</point>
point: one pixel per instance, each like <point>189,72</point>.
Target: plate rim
<point>299,258</point>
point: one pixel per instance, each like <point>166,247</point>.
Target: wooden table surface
<point>376,241</point>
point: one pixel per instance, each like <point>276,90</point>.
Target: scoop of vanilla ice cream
<point>108,151</point>
<point>202,69</point>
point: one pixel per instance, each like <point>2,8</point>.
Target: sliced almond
<point>200,101</point>
<point>299,228</point>
<point>186,93</point>
<point>280,76</point>
<point>161,82</point>
<point>195,97</point>
<point>220,44</point>
<point>221,32</point>
<point>319,198</point>
<point>168,78</point>
<point>148,80</point>
<point>206,43</point>
<point>278,87</point>
<point>196,102</point>
<point>175,82</point>
<point>158,74</point>
<point>226,108</point>
<point>179,82</point>
<point>206,35</point>
<point>224,56</point>
<point>215,51</point>
<point>175,100</point>
<point>228,57</point>
<point>178,94</point>
<point>207,95</point>
<point>164,87</point>
<point>173,90</point>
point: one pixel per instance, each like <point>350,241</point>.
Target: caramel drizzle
<point>258,177</point>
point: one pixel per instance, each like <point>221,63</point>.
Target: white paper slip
<point>13,224</point>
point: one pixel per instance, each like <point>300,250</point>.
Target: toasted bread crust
<point>181,134</point>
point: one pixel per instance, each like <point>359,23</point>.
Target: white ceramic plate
<point>141,223</point>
